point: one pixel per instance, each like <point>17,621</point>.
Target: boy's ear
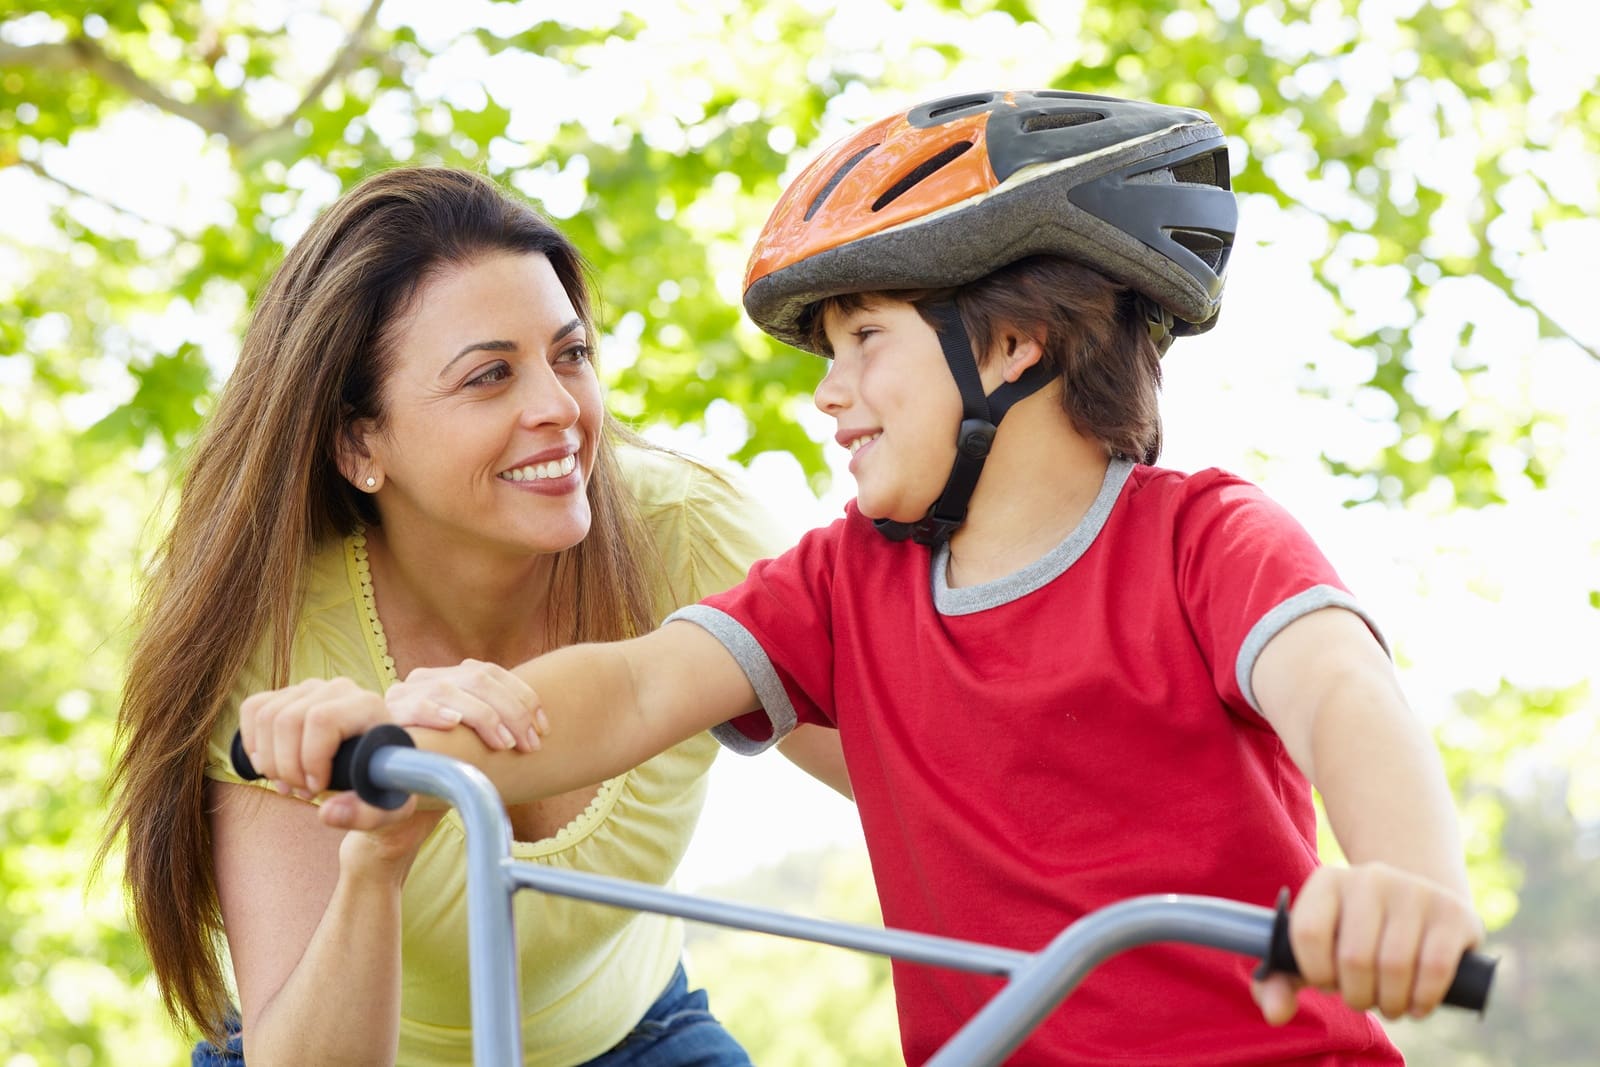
<point>1021,351</point>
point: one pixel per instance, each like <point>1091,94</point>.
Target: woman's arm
<point>1388,931</point>
<point>312,917</point>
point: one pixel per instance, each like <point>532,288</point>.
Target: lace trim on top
<point>582,826</point>
<point>369,605</point>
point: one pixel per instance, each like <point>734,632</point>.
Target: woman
<point>412,466</point>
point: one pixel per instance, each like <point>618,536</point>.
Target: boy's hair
<point>1094,335</point>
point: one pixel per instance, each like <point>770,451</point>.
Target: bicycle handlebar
<point>352,769</point>
<point>1468,989</point>
<point>352,763</point>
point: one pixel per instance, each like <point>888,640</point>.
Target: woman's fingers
<point>497,705</point>
<point>292,733</point>
<point>346,811</point>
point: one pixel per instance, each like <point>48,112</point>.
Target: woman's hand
<point>391,839</point>
<point>1380,937</point>
<point>291,734</point>
<point>499,707</point>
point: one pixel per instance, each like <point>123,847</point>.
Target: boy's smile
<point>890,391</point>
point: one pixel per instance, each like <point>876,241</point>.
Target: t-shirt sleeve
<point>1246,570</point>
<point>255,677</point>
<point>778,625</point>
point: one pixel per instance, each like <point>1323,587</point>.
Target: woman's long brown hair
<point>262,491</point>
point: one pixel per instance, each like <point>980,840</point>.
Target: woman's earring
<point>371,481</point>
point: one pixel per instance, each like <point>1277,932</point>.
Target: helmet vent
<point>838,176</point>
<point>1058,120</point>
<point>923,170</point>
<point>1211,249</point>
<point>958,105</point>
<point>1206,170</point>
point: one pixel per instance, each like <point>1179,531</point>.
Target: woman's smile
<point>553,477</point>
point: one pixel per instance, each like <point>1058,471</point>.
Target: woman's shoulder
<point>331,633</point>
<point>679,496</point>
<point>707,528</point>
<point>659,478</point>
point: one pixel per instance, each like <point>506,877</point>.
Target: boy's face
<point>896,406</point>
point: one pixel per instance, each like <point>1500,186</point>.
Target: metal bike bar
<point>902,944</point>
<point>1055,970</point>
<point>495,984</point>
<point>1038,981</point>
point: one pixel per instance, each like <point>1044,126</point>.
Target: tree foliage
<point>1428,147</point>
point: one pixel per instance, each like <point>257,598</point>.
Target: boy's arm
<point>1330,693</point>
<point>816,750</point>
<point>610,707</point>
<point>1388,931</point>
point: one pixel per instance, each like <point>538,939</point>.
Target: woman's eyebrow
<point>506,346</point>
<point>478,346</point>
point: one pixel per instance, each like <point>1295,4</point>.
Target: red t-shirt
<point>1027,750</point>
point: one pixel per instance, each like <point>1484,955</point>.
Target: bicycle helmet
<point>959,187</point>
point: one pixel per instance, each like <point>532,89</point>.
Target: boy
<point>1061,677</point>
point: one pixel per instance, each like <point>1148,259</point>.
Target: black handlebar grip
<point>1469,989</point>
<point>351,763</point>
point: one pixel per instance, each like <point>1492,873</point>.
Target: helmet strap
<point>1161,324</point>
<point>980,420</point>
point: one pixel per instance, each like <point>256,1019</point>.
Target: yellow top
<point>589,972</point>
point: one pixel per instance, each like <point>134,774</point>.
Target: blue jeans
<point>678,1031</point>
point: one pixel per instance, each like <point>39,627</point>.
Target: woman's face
<point>493,412</point>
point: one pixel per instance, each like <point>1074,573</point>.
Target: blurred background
<point>1408,358</point>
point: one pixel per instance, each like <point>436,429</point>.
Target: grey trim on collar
<point>1274,622</point>
<point>757,667</point>
<point>1047,568</point>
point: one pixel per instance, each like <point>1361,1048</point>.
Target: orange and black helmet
<point>956,188</point>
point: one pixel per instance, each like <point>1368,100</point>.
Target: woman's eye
<point>574,355</point>
<point>497,373</point>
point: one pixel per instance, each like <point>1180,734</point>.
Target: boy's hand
<point>1380,937</point>
<point>499,707</point>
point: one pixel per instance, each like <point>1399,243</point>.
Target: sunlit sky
<point>1465,597</point>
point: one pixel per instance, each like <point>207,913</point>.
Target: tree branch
<point>221,116</point>
<point>1552,325</point>
<point>82,53</point>
<point>38,168</point>
<point>341,63</point>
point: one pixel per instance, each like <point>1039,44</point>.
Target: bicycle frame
<point>1037,981</point>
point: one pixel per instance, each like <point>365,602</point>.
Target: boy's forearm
<point>587,693</point>
<point>1383,784</point>
<point>611,706</point>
